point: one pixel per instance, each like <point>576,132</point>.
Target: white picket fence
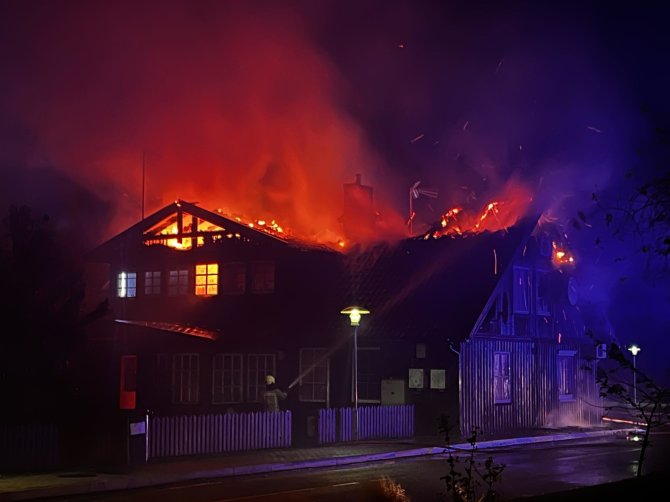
<point>208,434</point>
<point>374,422</point>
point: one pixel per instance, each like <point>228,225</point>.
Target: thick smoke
<point>265,108</point>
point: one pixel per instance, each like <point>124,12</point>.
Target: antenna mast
<point>414,192</point>
<point>143,176</point>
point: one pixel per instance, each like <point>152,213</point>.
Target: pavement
<point>162,472</point>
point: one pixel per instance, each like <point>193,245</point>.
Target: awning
<point>173,328</point>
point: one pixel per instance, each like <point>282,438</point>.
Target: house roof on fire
<point>423,288</point>
<point>181,222</point>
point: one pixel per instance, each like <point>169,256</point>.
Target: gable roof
<point>420,289</point>
<point>153,228</point>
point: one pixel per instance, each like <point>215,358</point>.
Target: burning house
<point>479,323</point>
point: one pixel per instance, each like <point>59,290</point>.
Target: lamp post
<point>634,349</point>
<point>355,314</point>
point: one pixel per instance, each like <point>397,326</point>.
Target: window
<point>263,277</point>
<point>152,283</point>
<point>542,292</point>
<point>258,366</point>
<point>502,392</point>
<point>126,285</point>
<point>521,295</point>
<point>207,279</point>
<point>177,282</point>
<point>234,278</point>
<point>369,376</point>
<point>185,372</point>
<point>314,384</point>
<point>227,378</point>
<point>566,375</point>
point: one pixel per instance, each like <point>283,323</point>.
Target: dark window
<point>177,282</point>
<point>263,277</point>
<point>152,283</point>
<point>502,392</point>
<point>314,384</point>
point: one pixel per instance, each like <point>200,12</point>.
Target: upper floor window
<point>227,378</point>
<point>566,375</point>
<point>502,391</point>
<point>263,277</point>
<point>177,282</point>
<point>522,289</point>
<point>152,283</point>
<point>258,366</point>
<point>185,378</point>
<point>126,285</point>
<point>314,384</point>
<point>542,295</point>
<point>233,278</point>
<point>207,279</point>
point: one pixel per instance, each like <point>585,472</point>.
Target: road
<point>530,470</point>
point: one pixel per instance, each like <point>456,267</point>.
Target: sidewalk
<point>34,486</point>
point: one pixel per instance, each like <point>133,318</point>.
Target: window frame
<point>186,379</point>
<point>152,282</point>
<point>566,375</point>
<point>224,377</point>
<point>123,283</point>
<point>255,385</point>
<point>209,273</point>
<point>364,383</point>
<point>239,270</point>
<point>181,286</point>
<point>502,377</point>
<point>540,275</point>
<point>309,381</point>
<point>264,272</point>
<point>518,275</point>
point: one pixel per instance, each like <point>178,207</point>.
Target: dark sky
<point>264,108</point>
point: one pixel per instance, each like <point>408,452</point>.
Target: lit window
<point>233,278</point>
<point>521,294</point>
<point>227,378</point>
<point>126,285</point>
<point>566,375</point>
<point>263,277</point>
<point>207,279</point>
<point>177,282</point>
<point>185,373</point>
<point>258,366</point>
<point>314,384</point>
<point>152,283</point>
<point>502,392</point>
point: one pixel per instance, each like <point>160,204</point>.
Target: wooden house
<point>483,326</point>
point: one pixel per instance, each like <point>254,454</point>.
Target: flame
<point>511,204</point>
<point>560,256</point>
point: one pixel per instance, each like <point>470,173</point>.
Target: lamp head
<point>354,314</point>
<point>634,349</point>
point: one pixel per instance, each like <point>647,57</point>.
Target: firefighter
<point>272,394</point>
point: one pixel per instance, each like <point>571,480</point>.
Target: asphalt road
<point>529,470</point>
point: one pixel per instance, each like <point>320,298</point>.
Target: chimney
<point>358,219</point>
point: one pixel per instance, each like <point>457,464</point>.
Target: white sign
<point>416,378</point>
<point>438,379</point>
<point>137,428</point>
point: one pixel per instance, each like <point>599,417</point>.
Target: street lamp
<point>355,314</point>
<point>634,349</point>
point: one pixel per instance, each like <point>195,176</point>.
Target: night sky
<point>265,108</point>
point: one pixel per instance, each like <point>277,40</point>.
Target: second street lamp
<point>355,314</point>
<point>634,349</point>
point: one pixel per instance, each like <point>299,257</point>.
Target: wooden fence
<point>374,422</point>
<point>208,434</point>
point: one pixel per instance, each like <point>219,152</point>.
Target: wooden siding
<point>534,387</point>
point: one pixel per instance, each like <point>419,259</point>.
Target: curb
<point>148,480</point>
